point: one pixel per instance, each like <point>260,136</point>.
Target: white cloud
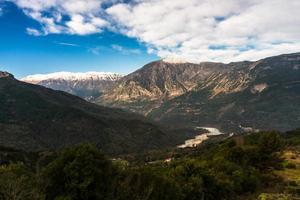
<point>80,16</point>
<point>82,26</point>
<point>200,30</point>
<point>196,30</point>
<point>82,6</point>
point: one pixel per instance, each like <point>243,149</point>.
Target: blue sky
<point>42,36</point>
<point>23,54</point>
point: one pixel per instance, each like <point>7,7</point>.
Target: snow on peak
<point>174,60</point>
<point>71,76</point>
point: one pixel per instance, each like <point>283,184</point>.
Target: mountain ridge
<point>155,82</point>
<point>33,117</point>
<point>216,89</point>
<point>72,76</point>
<point>88,85</point>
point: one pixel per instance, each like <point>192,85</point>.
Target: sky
<point>43,36</point>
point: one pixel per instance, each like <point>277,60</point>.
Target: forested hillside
<point>262,166</point>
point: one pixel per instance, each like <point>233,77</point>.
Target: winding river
<point>200,138</point>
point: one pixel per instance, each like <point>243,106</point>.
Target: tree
<point>270,142</point>
<point>146,184</point>
<point>16,182</point>
<point>81,173</point>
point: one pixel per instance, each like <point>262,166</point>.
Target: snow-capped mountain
<point>71,76</point>
<point>88,85</point>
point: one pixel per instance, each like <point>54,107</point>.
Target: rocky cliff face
<point>262,95</point>
<point>157,82</point>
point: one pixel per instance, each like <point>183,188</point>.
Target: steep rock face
<point>33,117</point>
<point>157,82</point>
<point>87,85</point>
<point>262,95</point>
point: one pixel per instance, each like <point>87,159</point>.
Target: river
<point>200,138</point>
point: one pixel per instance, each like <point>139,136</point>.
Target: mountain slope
<point>145,89</point>
<point>33,118</point>
<point>87,85</point>
<point>261,95</point>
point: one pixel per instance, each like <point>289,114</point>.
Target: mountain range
<point>239,96</point>
<point>87,85</point>
<point>34,117</point>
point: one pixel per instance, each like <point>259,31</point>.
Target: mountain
<point>33,117</point>
<point>147,88</point>
<point>87,85</point>
<point>238,96</point>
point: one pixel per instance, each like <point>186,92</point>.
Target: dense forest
<point>263,166</point>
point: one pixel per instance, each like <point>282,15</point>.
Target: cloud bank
<point>79,17</point>
<point>195,30</point>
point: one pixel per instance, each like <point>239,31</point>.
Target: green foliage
<point>18,183</point>
<point>291,138</point>
<point>81,173</point>
<point>196,181</point>
<point>226,170</point>
<point>145,184</point>
<point>269,142</point>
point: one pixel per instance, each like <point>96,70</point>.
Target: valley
<point>149,100</point>
<point>179,131</point>
<point>260,95</point>
<point>35,118</point>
